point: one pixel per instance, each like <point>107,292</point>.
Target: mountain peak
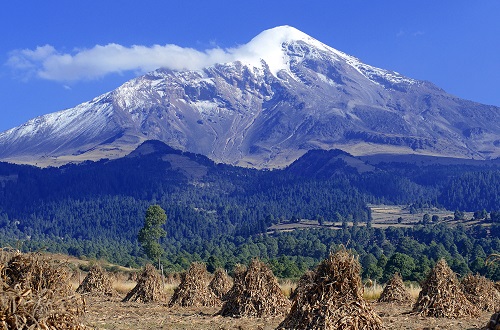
<point>284,33</point>
<point>270,46</point>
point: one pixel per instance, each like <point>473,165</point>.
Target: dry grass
<point>74,284</point>
<point>287,286</point>
<point>123,287</point>
<point>414,290</point>
<point>372,293</point>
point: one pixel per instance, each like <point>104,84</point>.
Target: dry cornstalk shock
<point>97,282</point>
<point>442,296</point>
<point>255,293</point>
<point>331,298</point>
<point>395,291</point>
<point>193,289</point>
<point>35,294</point>
<point>149,287</point>
<point>221,283</point>
<point>481,292</point>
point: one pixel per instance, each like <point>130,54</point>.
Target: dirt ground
<point>111,313</point>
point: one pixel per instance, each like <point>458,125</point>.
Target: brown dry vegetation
<point>149,287</point>
<point>105,312</point>
<point>331,297</point>
<point>97,282</point>
<point>221,283</point>
<point>255,293</point>
<point>193,289</point>
<point>481,292</point>
<point>35,293</point>
<point>396,292</point>
<point>441,295</point>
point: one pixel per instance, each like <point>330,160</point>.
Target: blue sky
<point>56,54</point>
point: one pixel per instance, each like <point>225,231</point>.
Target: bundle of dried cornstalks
<point>149,287</point>
<point>35,294</point>
<point>193,289</point>
<point>441,295</point>
<point>332,298</point>
<point>255,293</point>
<point>36,272</point>
<point>97,282</point>
<point>395,291</point>
<point>221,283</point>
<point>481,292</point>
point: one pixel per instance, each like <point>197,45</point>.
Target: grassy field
<point>383,216</point>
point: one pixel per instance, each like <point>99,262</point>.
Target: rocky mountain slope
<point>287,94</point>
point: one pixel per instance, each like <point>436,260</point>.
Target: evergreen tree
<point>149,236</point>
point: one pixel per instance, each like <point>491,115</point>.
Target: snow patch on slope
<point>65,122</point>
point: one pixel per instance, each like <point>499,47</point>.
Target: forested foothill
<point>221,214</point>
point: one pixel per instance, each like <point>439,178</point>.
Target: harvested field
<point>104,312</point>
<point>112,313</point>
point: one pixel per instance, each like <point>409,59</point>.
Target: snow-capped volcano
<point>264,104</point>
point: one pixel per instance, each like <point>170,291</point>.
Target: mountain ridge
<point>283,94</point>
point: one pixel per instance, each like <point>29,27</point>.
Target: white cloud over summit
<point>47,63</point>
